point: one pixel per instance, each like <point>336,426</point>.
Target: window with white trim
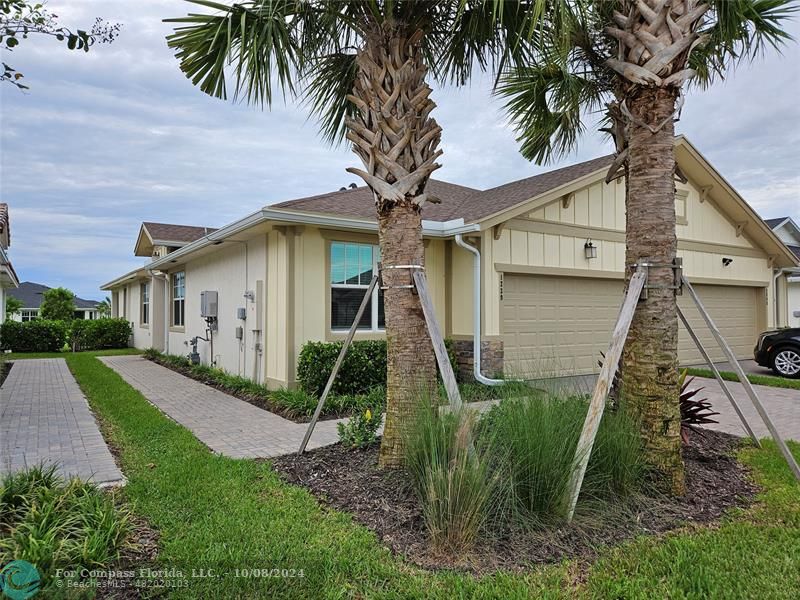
<point>144,297</point>
<point>28,315</point>
<point>352,267</point>
<point>178,298</point>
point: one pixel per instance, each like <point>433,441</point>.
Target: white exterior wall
<point>793,293</point>
<point>231,269</point>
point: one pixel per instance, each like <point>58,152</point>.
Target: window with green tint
<point>352,267</point>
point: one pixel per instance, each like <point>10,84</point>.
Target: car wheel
<point>786,362</point>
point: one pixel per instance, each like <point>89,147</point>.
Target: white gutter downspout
<point>778,273</point>
<point>476,313</point>
<point>165,278</point>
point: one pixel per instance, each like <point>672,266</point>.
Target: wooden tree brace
<point>604,380</point>
<point>748,387</point>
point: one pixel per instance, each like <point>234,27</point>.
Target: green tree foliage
<point>58,304</point>
<point>21,19</point>
<point>13,306</point>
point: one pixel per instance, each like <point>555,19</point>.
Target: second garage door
<point>560,325</point>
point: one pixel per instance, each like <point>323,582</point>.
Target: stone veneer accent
<point>491,358</point>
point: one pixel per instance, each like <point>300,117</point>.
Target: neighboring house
<point>296,271</point>
<point>31,295</point>
<point>789,233</point>
<point>8,277</point>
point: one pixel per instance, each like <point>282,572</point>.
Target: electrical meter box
<point>208,304</point>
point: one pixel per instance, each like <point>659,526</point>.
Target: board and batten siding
<point>549,240</point>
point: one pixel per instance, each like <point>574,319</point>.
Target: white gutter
<point>476,314</point>
<point>438,229</point>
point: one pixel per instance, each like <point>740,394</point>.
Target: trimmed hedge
<point>99,334</point>
<point>34,336</point>
<point>363,368</point>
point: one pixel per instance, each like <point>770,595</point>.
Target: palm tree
<point>631,59</point>
<point>362,65</point>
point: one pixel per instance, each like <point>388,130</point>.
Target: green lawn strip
<point>752,554</point>
<point>769,380</point>
<point>220,513</point>
<point>114,352</point>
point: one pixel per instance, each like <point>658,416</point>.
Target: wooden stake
<point>744,381</point>
<point>720,380</point>
<point>339,360</point>
<point>606,377</point>
<point>439,349</point>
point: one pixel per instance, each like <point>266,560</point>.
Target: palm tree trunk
<point>397,141</point>
<point>650,358</point>
<point>411,365</point>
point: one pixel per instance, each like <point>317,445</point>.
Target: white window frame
<point>144,302</point>
<point>28,314</point>
<point>175,298</point>
<point>353,286</point>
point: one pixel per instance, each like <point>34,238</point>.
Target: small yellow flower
<point>368,415</point>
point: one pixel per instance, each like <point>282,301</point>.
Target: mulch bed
<point>350,481</point>
<point>5,369</point>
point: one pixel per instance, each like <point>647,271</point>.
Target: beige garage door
<point>560,325</point>
<point>739,313</point>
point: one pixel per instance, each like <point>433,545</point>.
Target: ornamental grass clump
<point>536,439</point>
<point>450,475</point>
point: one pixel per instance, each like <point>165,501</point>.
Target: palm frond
<point>740,30</point>
<point>546,103</point>
<point>331,79</point>
<point>258,40</point>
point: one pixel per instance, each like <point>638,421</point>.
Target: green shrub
<point>298,403</point>
<point>98,334</point>
<point>33,336</point>
<point>361,430</point>
<point>536,441</point>
<point>451,477</point>
<point>363,368</point>
<point>57,524</point>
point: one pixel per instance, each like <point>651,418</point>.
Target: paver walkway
<point>783,406</point>
<point>44,417</point>
<point>225,424</point>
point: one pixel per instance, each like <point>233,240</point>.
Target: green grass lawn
<point>116,352</point>
<point>769,380</point>
<point>219,513</point>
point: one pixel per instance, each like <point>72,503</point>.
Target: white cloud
<point>107,139</point>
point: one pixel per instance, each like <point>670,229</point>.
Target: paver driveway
<point>783,406</point>
<point>223,423</point>
<point>44,417</point>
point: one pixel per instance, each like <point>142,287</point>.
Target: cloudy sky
<point>105,140</point>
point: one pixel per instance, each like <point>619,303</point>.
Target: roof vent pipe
<point>476,313</point>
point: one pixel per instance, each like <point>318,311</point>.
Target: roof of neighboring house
<point>795,249</point>
<point>30,294</point>
<point>773,223</point>
<point>5,226</point>
<point>168,232</point>
<point>457,201</point>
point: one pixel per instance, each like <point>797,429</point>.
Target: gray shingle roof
<point>30,294</point>
<point>458,201</point>
<point>168,232</point>
<point>773,223</point>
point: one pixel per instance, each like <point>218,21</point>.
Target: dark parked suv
<point>780,351</point>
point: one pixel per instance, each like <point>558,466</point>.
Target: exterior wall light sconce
<point>726,261</point>
<point>589,250</point>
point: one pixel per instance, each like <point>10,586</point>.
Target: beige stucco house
<point>789,233</point>
<point>298,270</point>
<point>8,277</point>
